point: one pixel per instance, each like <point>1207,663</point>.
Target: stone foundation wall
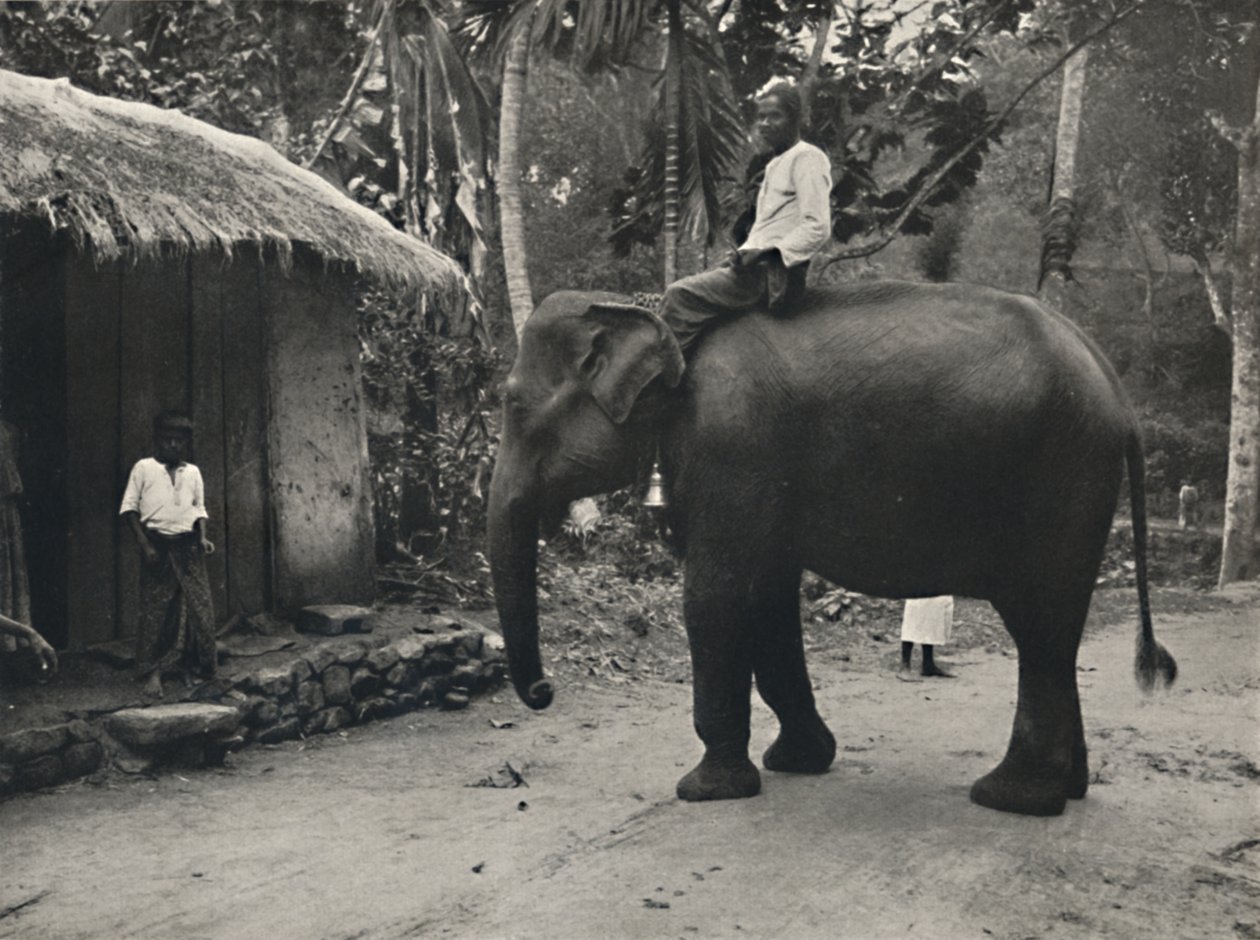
<point>328,687</point>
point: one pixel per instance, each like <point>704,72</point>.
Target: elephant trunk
<point>513,533</point>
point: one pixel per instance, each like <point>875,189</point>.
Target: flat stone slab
<point>252,645</point>
<point>121,654</point>
<point>334,619</point>
<point>162,724</point>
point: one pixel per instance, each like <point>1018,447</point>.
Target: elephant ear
<point>630,346</point>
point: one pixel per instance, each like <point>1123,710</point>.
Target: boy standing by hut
<point>165,506</point>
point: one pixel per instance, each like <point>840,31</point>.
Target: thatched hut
<point>149,261</point>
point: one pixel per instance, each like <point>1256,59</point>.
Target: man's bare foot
<point>936,672</point>
<point>153,687</point>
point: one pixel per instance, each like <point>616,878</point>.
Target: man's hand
<point>46,654</point>
<point>207,547</point>
<point>747,257</point>
<point>151,556</point>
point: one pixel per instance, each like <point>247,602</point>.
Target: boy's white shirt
<point>165,506</point>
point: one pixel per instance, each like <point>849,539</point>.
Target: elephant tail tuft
<point>1152,659</point>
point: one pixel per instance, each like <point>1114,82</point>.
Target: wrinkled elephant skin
<point>904,440</point>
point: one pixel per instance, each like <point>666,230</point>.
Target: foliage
<point>1177,450</point>
<point>409,137</point>
<point>590,35</point>
<point>896,105</point>
<point>1199,191</point>
<point>233,64</point>
<point>622,533</point>
<point>712,148</point>
<point>1157,80</point>
<point>575,130</point>
<point>432,442</point>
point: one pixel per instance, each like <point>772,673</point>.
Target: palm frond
<point>714,145</point>
<point>590,34</point>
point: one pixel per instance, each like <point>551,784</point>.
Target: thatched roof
<point>128,180</point>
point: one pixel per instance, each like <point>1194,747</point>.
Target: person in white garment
<point>793,221</point>
<point>928,621</point>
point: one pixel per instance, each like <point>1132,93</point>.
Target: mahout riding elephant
<point>901,439</point>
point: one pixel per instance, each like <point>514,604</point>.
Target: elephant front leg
<point>719,633</point>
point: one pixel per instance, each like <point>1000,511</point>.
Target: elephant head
<point>584,360</point>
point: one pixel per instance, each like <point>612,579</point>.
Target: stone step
<point>334,619</point>
<point>159,725</point>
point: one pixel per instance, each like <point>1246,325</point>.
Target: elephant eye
<point>593,364</point>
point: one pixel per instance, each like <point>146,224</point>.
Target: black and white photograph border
<point>629,468</point>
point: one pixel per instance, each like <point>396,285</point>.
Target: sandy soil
<point>410,827</point>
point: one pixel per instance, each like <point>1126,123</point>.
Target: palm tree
<point>1058,232</point>
<point>592,35</point>
<point>508,179</point>
<point>674,51</point>
<point>704,138</point>
<point>413,91</point>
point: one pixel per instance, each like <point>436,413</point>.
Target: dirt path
<point>380,833</point>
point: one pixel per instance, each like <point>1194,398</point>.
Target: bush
<point>1178,449</point>
<point>431,435</point>
<point>626,535</point>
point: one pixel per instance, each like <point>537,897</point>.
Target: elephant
<point>902,439</point>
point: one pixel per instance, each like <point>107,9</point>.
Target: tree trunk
<point>673,108</point>
<point>1242,499</point>
<point>809,77</point>
<point>1220,315</point>
<point>1058,231</point>
<point>508,185</point>
<point>1147,278</point>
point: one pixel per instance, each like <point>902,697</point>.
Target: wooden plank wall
<point>94,480</point>
<point>205,358</point>
<point>32,379</point>
<point>266,363</point>
<point>247,513</point>
<point>154,378</point>
<point>317,441</point>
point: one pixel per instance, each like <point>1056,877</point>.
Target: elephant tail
<point>1152,659</point>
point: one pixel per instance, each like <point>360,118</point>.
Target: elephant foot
<point>1029,793</point>
<point>711,780</point>
<point>801,753</point>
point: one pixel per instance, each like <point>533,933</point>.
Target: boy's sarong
<point>176,628</point>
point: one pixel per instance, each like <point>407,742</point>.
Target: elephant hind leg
<point>805,744</point>
<point>1046,762</point>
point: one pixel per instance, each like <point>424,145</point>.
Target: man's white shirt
<point>794,204</point>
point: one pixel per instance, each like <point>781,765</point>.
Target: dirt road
<point>382,832</point>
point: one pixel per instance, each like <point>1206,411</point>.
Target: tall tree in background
<point>674,46</point>
<point>507,182</point>
<point>601,36</point>
<point>593,35</point>
<point>1242,489</point>
<point>1058,232</point>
